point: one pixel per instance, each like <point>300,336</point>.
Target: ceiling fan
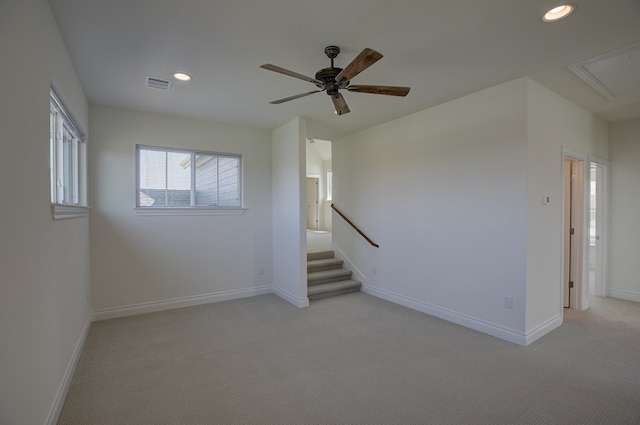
<point>333,79</point>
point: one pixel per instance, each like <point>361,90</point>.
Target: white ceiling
<point>443,49</point>
<point>321,147</point>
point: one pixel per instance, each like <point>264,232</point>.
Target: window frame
<point>67,160</point>
<point>192,209</point>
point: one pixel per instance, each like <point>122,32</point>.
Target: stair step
<point>332,289</point>
<point>326,276</point>
<point>324,264</point>
<point>319,255</point>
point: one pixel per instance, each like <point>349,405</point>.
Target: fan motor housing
<point>328,78</point>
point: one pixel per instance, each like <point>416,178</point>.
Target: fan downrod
<point>328,75</point>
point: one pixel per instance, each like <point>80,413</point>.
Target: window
<point>329,185</point>
<point>67,156</point>
<point>178,178</point>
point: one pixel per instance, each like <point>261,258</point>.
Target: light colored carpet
<point>318,241</point>
<point>353,359</point>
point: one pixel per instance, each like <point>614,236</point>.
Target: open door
<point>575,285</point>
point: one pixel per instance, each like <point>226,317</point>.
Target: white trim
<point>61,212</point>
<point>450,316</point>
<point>188,211</point>
<point>154,306</point>
<point>358,275</point>
<point>63,107</point>
<point>299,302</point>
<point>582,257</point>
<point>63,389</point>
<point>624,295</point>
<point>581,70</point>
<point>604,230</point>
<point>543,329</point>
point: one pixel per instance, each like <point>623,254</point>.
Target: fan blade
<point>387,90</point>
<point>340,104</point>
<point>297,96</point>
<point>275,68</point>
<point>364,60</point>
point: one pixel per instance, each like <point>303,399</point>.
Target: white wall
<point>44,279</point>
<point>443,192</point>
<point>553,123</point>
<point>625,210</point>
<point>314,165</point>
<point>318,167</point>
<point>325,205</point>
<point>138,260</point>
<point>289,211</point>
<point>453,195</point>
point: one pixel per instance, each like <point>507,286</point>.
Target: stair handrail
<point>354,226</point>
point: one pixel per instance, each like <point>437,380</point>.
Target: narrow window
<point>67,155</point>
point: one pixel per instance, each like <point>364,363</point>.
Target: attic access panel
<point>614,75</point>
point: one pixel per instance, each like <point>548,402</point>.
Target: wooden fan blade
<point>340,104</point>
<point>297,96</point>
<point>284,71</point>
<point>387,90</point>
<point>364,60</point>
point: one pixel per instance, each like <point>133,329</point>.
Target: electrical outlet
<point>508,303</point>
<point>546,199</point>
<point>261,271</point>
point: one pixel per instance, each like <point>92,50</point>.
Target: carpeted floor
<point>318,240</point>
<point>353,359</point>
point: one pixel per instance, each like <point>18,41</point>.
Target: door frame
<point>580,261</point>
<point>602,288</point>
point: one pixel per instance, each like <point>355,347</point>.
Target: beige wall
<point>625,211</point>
<point>318,167</point>
<point>289,212</point>
<point>455,202</point>
<point>137,259</point>
<point>554,124</point>
<point>44,279</point>
<point>443,192</point>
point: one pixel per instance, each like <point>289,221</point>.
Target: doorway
<point>318,194</point>
<point>597,229</point>
<point>584,230</point>
<point>573,231</point>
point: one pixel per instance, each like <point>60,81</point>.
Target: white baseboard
<point>290,298</point>
<point>450,316</point>
<point>150,307</point>
<point>63,389</point>
<point>543,329</point>
<point>624,295</point>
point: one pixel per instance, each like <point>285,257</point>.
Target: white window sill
<point>62,212</point>
<point>188,211</point>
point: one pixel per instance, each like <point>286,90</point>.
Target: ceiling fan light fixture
<point>559,12</point>
<point>333,79</point>
<point>182,76</point>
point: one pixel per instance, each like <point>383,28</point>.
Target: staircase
<point>326,277</point>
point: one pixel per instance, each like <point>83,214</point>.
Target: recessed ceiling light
<point>559,12</point>
<point>182,76</point>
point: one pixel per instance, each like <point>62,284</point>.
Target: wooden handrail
<point>354,226</point>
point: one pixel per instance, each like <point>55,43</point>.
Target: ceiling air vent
<point>157,83</point>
